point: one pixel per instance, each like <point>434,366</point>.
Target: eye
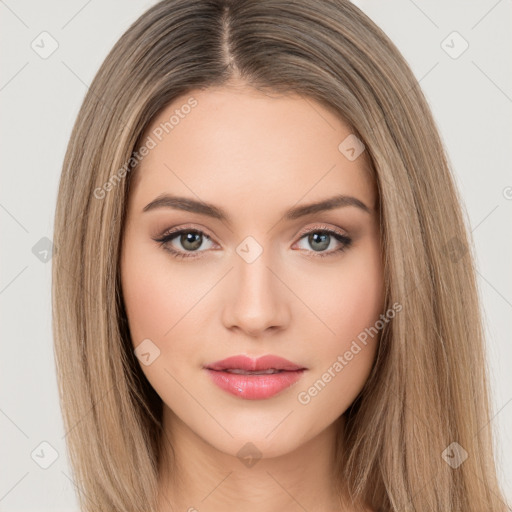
<point>191,240</point>
<point>321,238</point>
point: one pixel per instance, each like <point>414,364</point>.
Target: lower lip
<point>254,387</point>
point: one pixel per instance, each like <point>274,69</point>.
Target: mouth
<point>238,371</point>
<point>254,379</point>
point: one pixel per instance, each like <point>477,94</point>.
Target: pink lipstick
<point>254,379</point>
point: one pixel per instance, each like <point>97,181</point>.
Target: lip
<point>254,387</point>
<point>242,362</point>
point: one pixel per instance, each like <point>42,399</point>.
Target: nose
<point>256,300</point>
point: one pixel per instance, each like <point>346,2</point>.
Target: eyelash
<point>170,235</point>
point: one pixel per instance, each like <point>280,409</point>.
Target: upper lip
<point>242,362</point>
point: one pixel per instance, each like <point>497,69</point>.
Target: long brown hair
<point>426,403</point>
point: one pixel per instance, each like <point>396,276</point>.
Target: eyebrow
<point>210,210</point>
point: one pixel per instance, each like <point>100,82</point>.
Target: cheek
<point>148,300</point>
<point>158,306</point>
<point>156,300</point>
<point>355,303</point>
<point>355,293</point>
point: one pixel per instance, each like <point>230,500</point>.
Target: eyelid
<point>186,227</point>
<point>320,227</point>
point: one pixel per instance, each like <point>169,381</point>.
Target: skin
<point>254,155</point>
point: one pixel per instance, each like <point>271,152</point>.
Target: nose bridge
<point>257,301</point>
<point>254,279</point>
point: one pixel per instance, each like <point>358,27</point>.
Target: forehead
<point>241,146</point>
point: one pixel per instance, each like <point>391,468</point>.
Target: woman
<point>264,296</point>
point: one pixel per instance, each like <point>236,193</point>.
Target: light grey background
<point>471,98</point>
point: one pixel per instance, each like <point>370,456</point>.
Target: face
<point>248,270</point>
